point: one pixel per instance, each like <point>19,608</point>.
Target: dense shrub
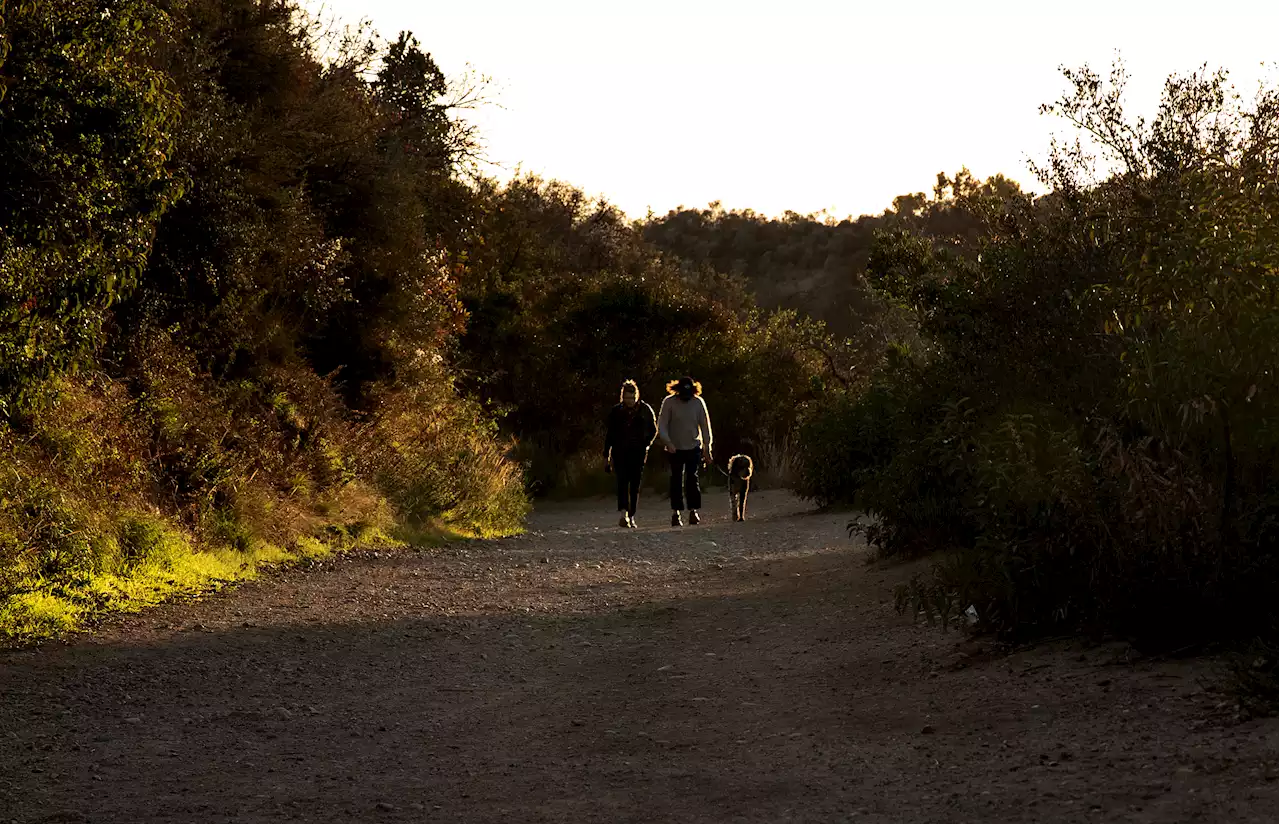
<point>439,458</point>
<point>1089,426</point>
<point>85,133</point>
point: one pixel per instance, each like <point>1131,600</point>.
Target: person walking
<point>629,431</point>
<point>685,428</point>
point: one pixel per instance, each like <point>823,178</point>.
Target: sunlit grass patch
<point>431,534</point>
<point>153,563</point>
<point>37,615</point>
<point>140,559</point>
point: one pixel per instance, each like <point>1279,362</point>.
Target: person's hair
<point>628,384</point>
<point>672,390</point>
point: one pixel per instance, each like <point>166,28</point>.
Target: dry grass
<point>776,464</point>
<point>113,498</point>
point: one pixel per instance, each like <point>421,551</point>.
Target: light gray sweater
<point>684,424</point>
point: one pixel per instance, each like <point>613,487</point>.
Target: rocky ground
<point>749,672</point>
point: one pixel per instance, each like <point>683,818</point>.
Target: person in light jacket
<point>684,426</point>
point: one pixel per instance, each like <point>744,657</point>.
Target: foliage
<point>227,286</point>
<point>440,459</point>
<point>277,145</point>
<point>565,300</point>
<point>85,124</point>
<point>1089,425</point>
<point>817,265</point>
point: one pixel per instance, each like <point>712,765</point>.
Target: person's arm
<point>610,436</point>
<point>651,430</point>
<point>704,424</point>
<point>664,423</point>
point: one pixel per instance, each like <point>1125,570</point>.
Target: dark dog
<point>739,474</point>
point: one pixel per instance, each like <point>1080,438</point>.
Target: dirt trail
<point>728,672</point>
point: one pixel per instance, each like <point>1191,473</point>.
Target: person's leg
<point>692,491</point>
<point>620,475</point>
<point>677,486</point>
<point>635,471</point>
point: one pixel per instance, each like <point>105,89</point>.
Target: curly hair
<point>671,387</point>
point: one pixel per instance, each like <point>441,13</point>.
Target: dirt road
<point>749,672</point>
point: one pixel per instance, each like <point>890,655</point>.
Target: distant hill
<point>813,265</point>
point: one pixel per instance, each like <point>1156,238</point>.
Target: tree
<point>85,126</point>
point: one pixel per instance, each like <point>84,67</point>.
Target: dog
<point>739,475</point>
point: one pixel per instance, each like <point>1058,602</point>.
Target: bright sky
<point>803,104</point>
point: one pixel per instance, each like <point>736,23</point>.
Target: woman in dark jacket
<point>629,431</point>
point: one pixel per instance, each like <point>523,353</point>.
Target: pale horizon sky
<point>808,105</point>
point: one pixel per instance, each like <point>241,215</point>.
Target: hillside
<point>818,266</point>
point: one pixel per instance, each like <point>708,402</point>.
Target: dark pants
<point>685,464</point>
<point>628,467</point>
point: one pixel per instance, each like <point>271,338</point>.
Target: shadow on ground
<point>583,674</point>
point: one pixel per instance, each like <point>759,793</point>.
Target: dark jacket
<point>630,430</point>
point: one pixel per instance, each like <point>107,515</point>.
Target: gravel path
<point>749,672</point>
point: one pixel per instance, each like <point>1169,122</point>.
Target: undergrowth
<point>1084,436</point>
<point>228,287</point>
<point>114,497</point>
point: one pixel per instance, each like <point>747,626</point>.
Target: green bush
<point>439,460</point>
<point>894,452</point>
<point>85,130</point>
<point>1088,431</point>
<point>839,443</point>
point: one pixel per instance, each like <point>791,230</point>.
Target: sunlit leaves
<point>84,130</point>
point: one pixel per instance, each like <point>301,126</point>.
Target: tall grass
<point>776,463</point>
<point>115,496</point>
